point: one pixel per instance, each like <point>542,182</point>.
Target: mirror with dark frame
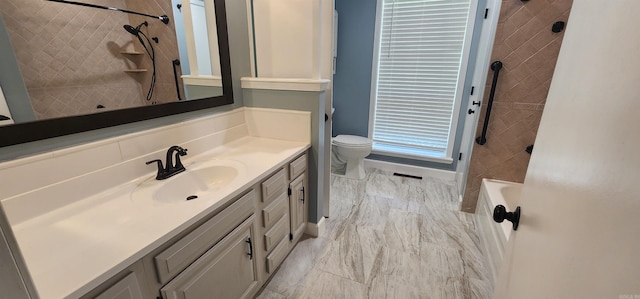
<point>83,68</point>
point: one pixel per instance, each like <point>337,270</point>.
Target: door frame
<point>483,61</point>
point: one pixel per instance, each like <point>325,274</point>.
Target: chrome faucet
<point>171,169</point>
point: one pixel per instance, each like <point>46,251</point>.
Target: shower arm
<point>163,18</point>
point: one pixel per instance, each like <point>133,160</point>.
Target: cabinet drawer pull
<point>250,254</point>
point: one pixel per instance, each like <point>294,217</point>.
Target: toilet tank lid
<point>352,139</point>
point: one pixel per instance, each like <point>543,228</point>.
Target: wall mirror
<point>79,68</point>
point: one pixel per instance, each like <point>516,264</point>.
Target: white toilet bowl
<point>351,150</point>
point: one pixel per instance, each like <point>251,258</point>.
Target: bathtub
<point>494,236</point>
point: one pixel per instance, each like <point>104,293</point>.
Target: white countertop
<point>71,250</point>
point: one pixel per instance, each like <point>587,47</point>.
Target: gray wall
<point>352,81</point>
<point>199,91</point>
<point>303,101</point>
<point>240,65</point>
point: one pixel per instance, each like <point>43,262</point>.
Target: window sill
<point>285,84</point>
<point>422,155</point>
<point>202,80</point>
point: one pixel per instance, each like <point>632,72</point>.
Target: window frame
<point>458,99</point>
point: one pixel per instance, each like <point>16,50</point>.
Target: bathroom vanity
<point>106,228</point>
<point>231,251</point>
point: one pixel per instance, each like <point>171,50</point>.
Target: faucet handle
<point>156,160</point>
<point>160,168</point>
<point>180,152</point>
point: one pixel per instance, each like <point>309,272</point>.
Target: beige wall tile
<point>534,7</point>
<point>520,17</point>
<point>61,48</point>
<point>529,51</point>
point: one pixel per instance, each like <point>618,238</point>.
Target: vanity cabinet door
<point>297,206</point>
<point>127,288</point>
<point>180,255</point>
<point>227,270</point>
<point>128,284</point>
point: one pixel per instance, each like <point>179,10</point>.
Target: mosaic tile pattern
<point>387,237</point>
<point>528,50</point>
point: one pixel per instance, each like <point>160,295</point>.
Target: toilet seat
<point>352,141</point>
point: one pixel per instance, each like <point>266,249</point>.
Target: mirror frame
<point>56,127</point>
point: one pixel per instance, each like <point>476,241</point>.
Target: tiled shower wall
<point>70,56</point>
<point>165,51</point>
<point>528,50</point>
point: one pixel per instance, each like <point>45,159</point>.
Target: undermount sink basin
<point>195,182</point>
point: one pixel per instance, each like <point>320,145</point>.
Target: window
<point>423,48</point>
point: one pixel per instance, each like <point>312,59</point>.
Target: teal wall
<point>352,80</point>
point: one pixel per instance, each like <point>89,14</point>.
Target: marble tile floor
<point>387,237</point>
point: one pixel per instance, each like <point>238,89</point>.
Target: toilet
<point>348,155</point>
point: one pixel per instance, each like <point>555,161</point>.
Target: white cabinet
<point>275,224</point>
<point>228,270</point>
<point>275,210</point>
<point>126,288</point>
<point>298,166</point>
<point>297,206</point>
<point>284,212</point>
<point>274,186</point>
<point>227,254</point>
<point>277,255</point>
<point>276,233</point>
<point>128,284</point>
<point>182,253</point>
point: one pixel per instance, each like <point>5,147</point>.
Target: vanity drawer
<point>275,210</point>
<point>298,166</point>
<point>176,258</point>
<point>277,255</point>
<point>276,233</point>
<point>274,186</point>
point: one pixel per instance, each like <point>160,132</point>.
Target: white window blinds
<point>420,56</point>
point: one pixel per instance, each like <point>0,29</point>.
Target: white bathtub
<point>494,236</point>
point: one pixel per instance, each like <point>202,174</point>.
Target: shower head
<point>131,29</point>
<point>135,30</point>
<point>148,47</point>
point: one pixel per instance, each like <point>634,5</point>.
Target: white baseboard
<point>315,229</point>
<point>446,175</point>
<point>460,185</point>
